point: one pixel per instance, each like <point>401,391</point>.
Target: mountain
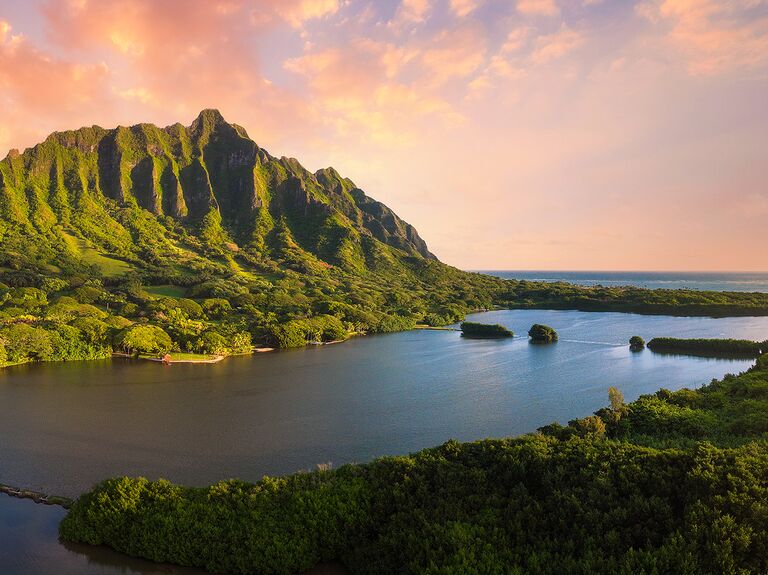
<point>195,239</point>
<point>139,193</point>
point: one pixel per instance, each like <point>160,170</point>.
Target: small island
<point>708,347</point>
<point>636,343</point>
<point>542,334</point>
<point>484,331</point>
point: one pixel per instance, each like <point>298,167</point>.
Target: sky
<point>514,134</point>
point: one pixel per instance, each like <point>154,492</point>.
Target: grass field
<point>167,291</point>
<point>110,267</point>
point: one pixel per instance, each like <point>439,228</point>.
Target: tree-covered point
<point>484,330</point>
<point>708,347</point>
<point>542,333</point>
<point>636,343</point>
<point>675,482</point>
<point>676,302</point>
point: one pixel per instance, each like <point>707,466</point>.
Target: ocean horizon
<point>707,281</point>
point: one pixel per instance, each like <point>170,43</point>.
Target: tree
<point>616,398</point>
<point>636,343</point>
<point>542,333</point>
<point>211,342</point>
<point>592,426</point>
<point>25,342</point>
<point>89,294</point>
<point>144,339</point>
<point>240,342</point>
<point>216,308</point>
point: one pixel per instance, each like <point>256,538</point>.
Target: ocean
<point>712,281</point>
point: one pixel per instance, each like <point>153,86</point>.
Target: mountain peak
<point>209,118</point>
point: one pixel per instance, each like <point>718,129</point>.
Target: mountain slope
<point>131,191</point>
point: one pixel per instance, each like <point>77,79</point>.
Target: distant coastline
<point>705,281</point>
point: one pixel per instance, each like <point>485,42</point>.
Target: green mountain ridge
<point>127,190</point>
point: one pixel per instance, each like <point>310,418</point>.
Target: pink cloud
<point>297,13</point>
<point>40,90</point>
<point>410,12</point>
<point>556,45</point>
<point>538,7</point>
<point>462,8</point>
<point>172,60</point>
<point>714,36</point>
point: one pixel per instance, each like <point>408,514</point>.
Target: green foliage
<point>26,343</point>
<point>636,343</point>
<point>216,308</point>
<point>616,399</point>
<point>211,342</point>
<point>727,412</point>
<point>392,323</point>
<point>526,505</point>
<point>88,294</point>
<point>148,339</point>
<point>299,332</point>
<point>52,284</point>
<point>240,342</point>
<point>708,347</point>
<point>542,333</point>
<point>680,302</point>
<point>484,330</point>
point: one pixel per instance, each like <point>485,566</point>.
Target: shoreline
<point>208,360</point>
<point>215,359</point>
<point>679,312</point>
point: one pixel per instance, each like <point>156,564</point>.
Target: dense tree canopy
<point>708,347</point>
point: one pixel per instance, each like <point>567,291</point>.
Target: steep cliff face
<point>124,189</point>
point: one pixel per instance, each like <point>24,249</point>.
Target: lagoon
<point>65,426</point>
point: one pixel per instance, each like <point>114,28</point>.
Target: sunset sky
<point>528,134</point>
